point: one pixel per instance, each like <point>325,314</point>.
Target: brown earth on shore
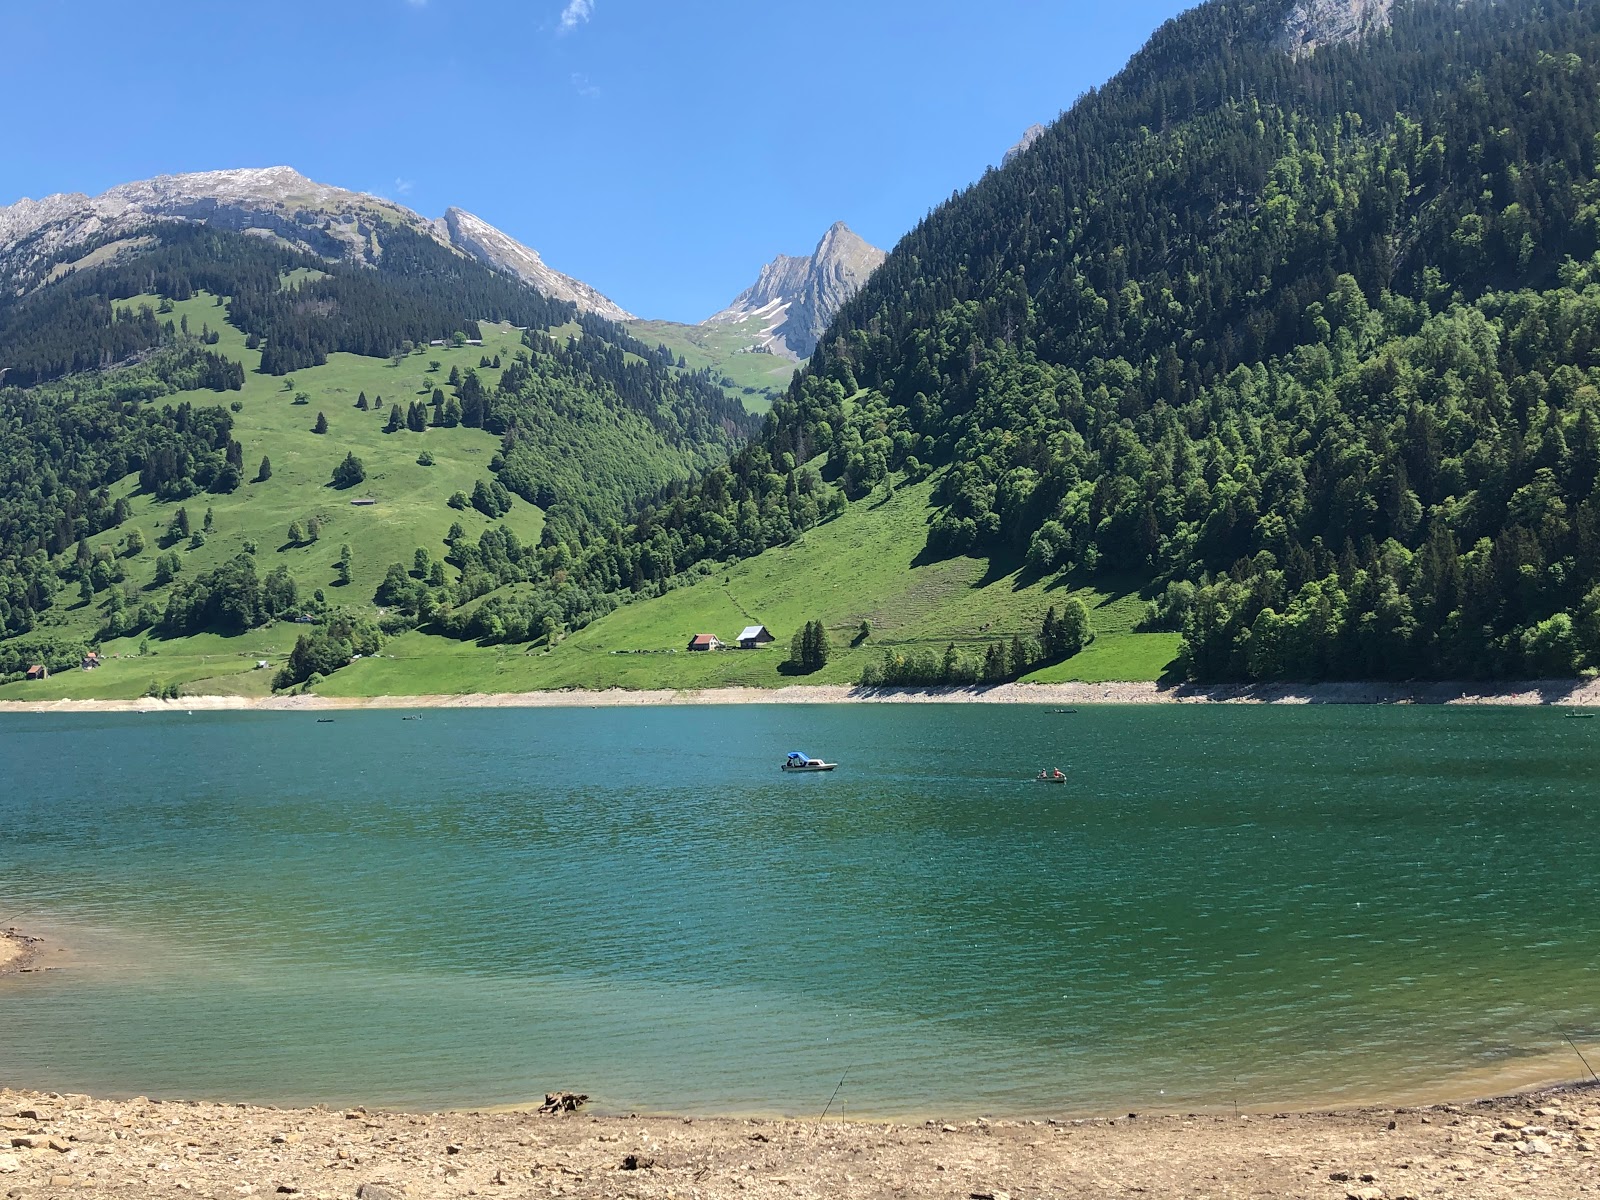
<point>18,952</point>
<point>1576,693</point>
<point>1541,1144</point>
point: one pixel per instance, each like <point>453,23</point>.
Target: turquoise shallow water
<point>1226,904</point>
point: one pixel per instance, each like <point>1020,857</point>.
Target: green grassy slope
<point>861,566</point>
<point>410,509</point>
<point>754,378</point>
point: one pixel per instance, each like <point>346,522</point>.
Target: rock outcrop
<point>796,297</point>
<point>276,202</point>
<point>475,236</point>
<point>1315,23</point>
<point>1029,136</point>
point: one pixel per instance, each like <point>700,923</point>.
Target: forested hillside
<point>1308,344</point>
<point>118,384</point>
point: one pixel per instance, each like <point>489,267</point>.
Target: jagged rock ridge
<point>796,297</point>
<point>475,236</point>
<point>1312,24</point>
<point>276,202</point>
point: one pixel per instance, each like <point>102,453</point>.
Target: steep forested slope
<point>1309,343</point>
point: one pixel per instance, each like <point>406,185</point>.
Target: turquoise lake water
<point>1261,906</point>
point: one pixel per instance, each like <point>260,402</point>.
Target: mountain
<point>795,297</point>
<point>1030,135</point>
<point>158,343</point>
<point>274,202</point>
<point>1284,365</point>
<point>488,245</point>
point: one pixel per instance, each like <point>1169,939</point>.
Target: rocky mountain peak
<point>797,296</point>
<point>276,202</point>
<point>1312,24</point>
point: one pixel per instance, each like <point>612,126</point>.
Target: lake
<point>1226,905</point>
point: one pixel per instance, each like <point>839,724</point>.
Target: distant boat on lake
<point>798,761</point>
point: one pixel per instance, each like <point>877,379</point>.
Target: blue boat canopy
<point>794,754</point>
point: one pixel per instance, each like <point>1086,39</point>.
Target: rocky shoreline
<point>1563,692</point>
<point>19,952</point>
<point>1540,1144</point>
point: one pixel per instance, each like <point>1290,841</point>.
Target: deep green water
<point>1261,905</point>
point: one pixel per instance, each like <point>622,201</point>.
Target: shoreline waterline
<point>1527,693</point>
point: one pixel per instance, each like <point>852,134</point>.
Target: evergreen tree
<point>349,472</point>
<point>322,424</point>
<point>264,472</point>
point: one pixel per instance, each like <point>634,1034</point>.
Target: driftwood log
<point>561,1102</point>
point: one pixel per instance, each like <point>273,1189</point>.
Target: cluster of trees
<point>350,471</point>
<point>808,649</point>
<point>63,445</point>
<point>1059,638</point>
<point>333,644</point>
<point>230,599</point>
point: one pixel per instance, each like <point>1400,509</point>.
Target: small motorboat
<point>324,720</point>
<point>1580,716</point>
<point>1064,712</point>
<point>1050,777</point>
<point>804,762</point>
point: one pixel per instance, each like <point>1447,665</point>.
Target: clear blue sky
<point>660,151</point>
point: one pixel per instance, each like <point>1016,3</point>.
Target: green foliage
<point>327,648</point>
<point>1305,339</point>
<point>229,600</point>
<point>808,649</point>
<point>350,472</point>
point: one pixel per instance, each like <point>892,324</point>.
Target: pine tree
<point>264,473</point>
<point>322,424</point>
<point>394,422</point>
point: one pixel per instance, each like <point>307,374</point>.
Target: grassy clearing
<point>861,566</point>
<point>757,378</point>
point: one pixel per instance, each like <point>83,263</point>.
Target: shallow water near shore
<point>1261,906</point>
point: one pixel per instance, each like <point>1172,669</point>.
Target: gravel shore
<point>1536,692</point>
<point>1541,1144</point>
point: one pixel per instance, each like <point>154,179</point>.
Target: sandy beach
<point>1574,693</point>
<point>1539,1144</point>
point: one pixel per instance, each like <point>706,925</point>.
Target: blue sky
<point>660,151</point>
